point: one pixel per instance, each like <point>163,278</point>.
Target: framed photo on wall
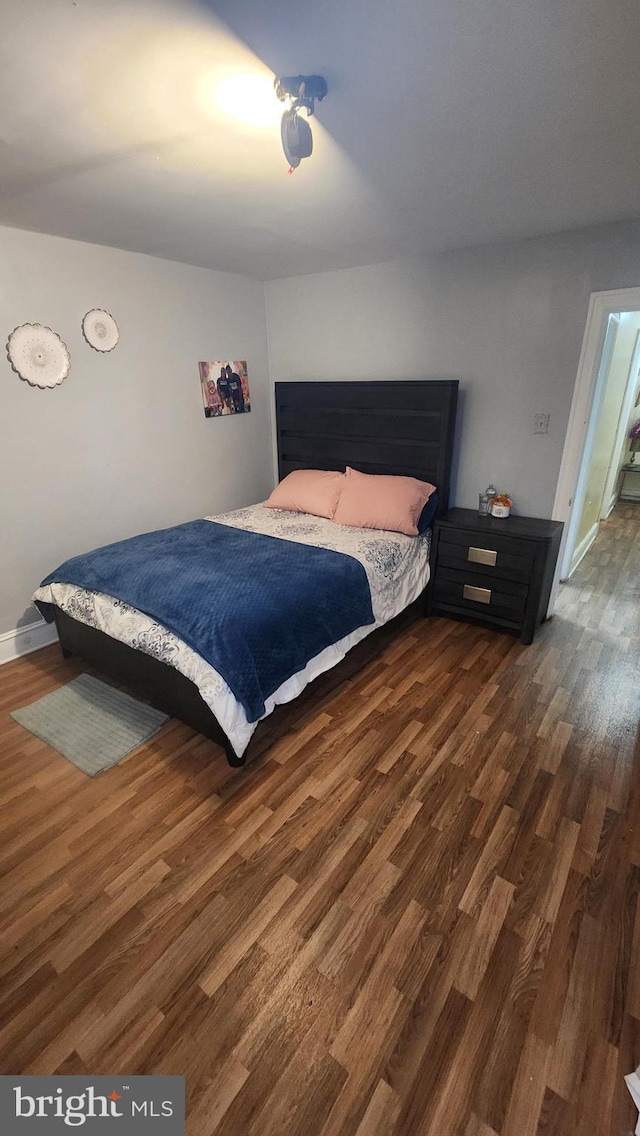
<point>225,387</point>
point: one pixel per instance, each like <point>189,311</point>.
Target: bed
<point>401,428</point>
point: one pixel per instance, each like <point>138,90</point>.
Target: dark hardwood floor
<point>416,913</point>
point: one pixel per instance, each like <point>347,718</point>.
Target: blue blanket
<point>256,607</point>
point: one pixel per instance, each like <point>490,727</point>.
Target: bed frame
<point>392,427</point>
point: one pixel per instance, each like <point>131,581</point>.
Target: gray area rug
<point>92,724</point>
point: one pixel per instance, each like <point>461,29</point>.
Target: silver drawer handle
<point>482,556</point>
<point>480,595</point>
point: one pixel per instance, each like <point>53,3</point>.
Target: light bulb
<point>249,98</point>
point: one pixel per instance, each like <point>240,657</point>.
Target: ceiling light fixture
<point>302,90</point>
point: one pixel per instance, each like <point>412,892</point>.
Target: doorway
<point>597,444</point>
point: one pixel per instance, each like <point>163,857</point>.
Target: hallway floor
<point>416,913</point>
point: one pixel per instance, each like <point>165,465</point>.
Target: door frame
<point>601,306</point>
<point>573,552</point>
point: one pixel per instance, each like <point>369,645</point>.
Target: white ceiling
<point>447,123</point>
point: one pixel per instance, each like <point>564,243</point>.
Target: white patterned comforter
<point>397,569</point>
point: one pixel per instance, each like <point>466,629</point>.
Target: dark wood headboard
<point>395,427</point>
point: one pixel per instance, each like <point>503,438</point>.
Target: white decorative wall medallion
<point>38,355</point>
<point>100,330</point>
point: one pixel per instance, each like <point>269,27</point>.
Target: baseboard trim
<point>583,548</point>
<point>24,640</point>
<point>610,507</point>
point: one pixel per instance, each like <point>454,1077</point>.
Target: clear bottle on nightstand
<point>485,499</point>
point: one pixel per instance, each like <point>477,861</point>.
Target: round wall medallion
<point>100,330</point>
<point>38,355</point>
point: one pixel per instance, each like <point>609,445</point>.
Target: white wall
<point>507,320</point>
<point>123,445</point>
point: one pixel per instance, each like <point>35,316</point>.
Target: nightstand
<point>491,571</point>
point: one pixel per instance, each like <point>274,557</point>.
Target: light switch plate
<point>541,424</point>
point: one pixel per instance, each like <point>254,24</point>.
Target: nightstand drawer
<point>502,543</point>
<point>471,590</point>
<point>485,556</point>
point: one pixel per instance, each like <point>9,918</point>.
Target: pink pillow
<point>377,502</point>
<point>314,491</point>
